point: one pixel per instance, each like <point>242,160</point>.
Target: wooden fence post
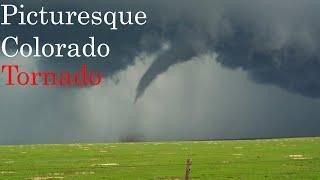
<point>188,169</point>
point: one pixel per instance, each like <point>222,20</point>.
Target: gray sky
<point>244,69</point>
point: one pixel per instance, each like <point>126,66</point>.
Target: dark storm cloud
<point>277,42</point>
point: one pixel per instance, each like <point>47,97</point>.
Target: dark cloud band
<point>276,43</point>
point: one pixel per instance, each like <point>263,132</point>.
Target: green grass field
<point>253,159</point>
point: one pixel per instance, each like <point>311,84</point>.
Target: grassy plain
<point>297,158</point>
